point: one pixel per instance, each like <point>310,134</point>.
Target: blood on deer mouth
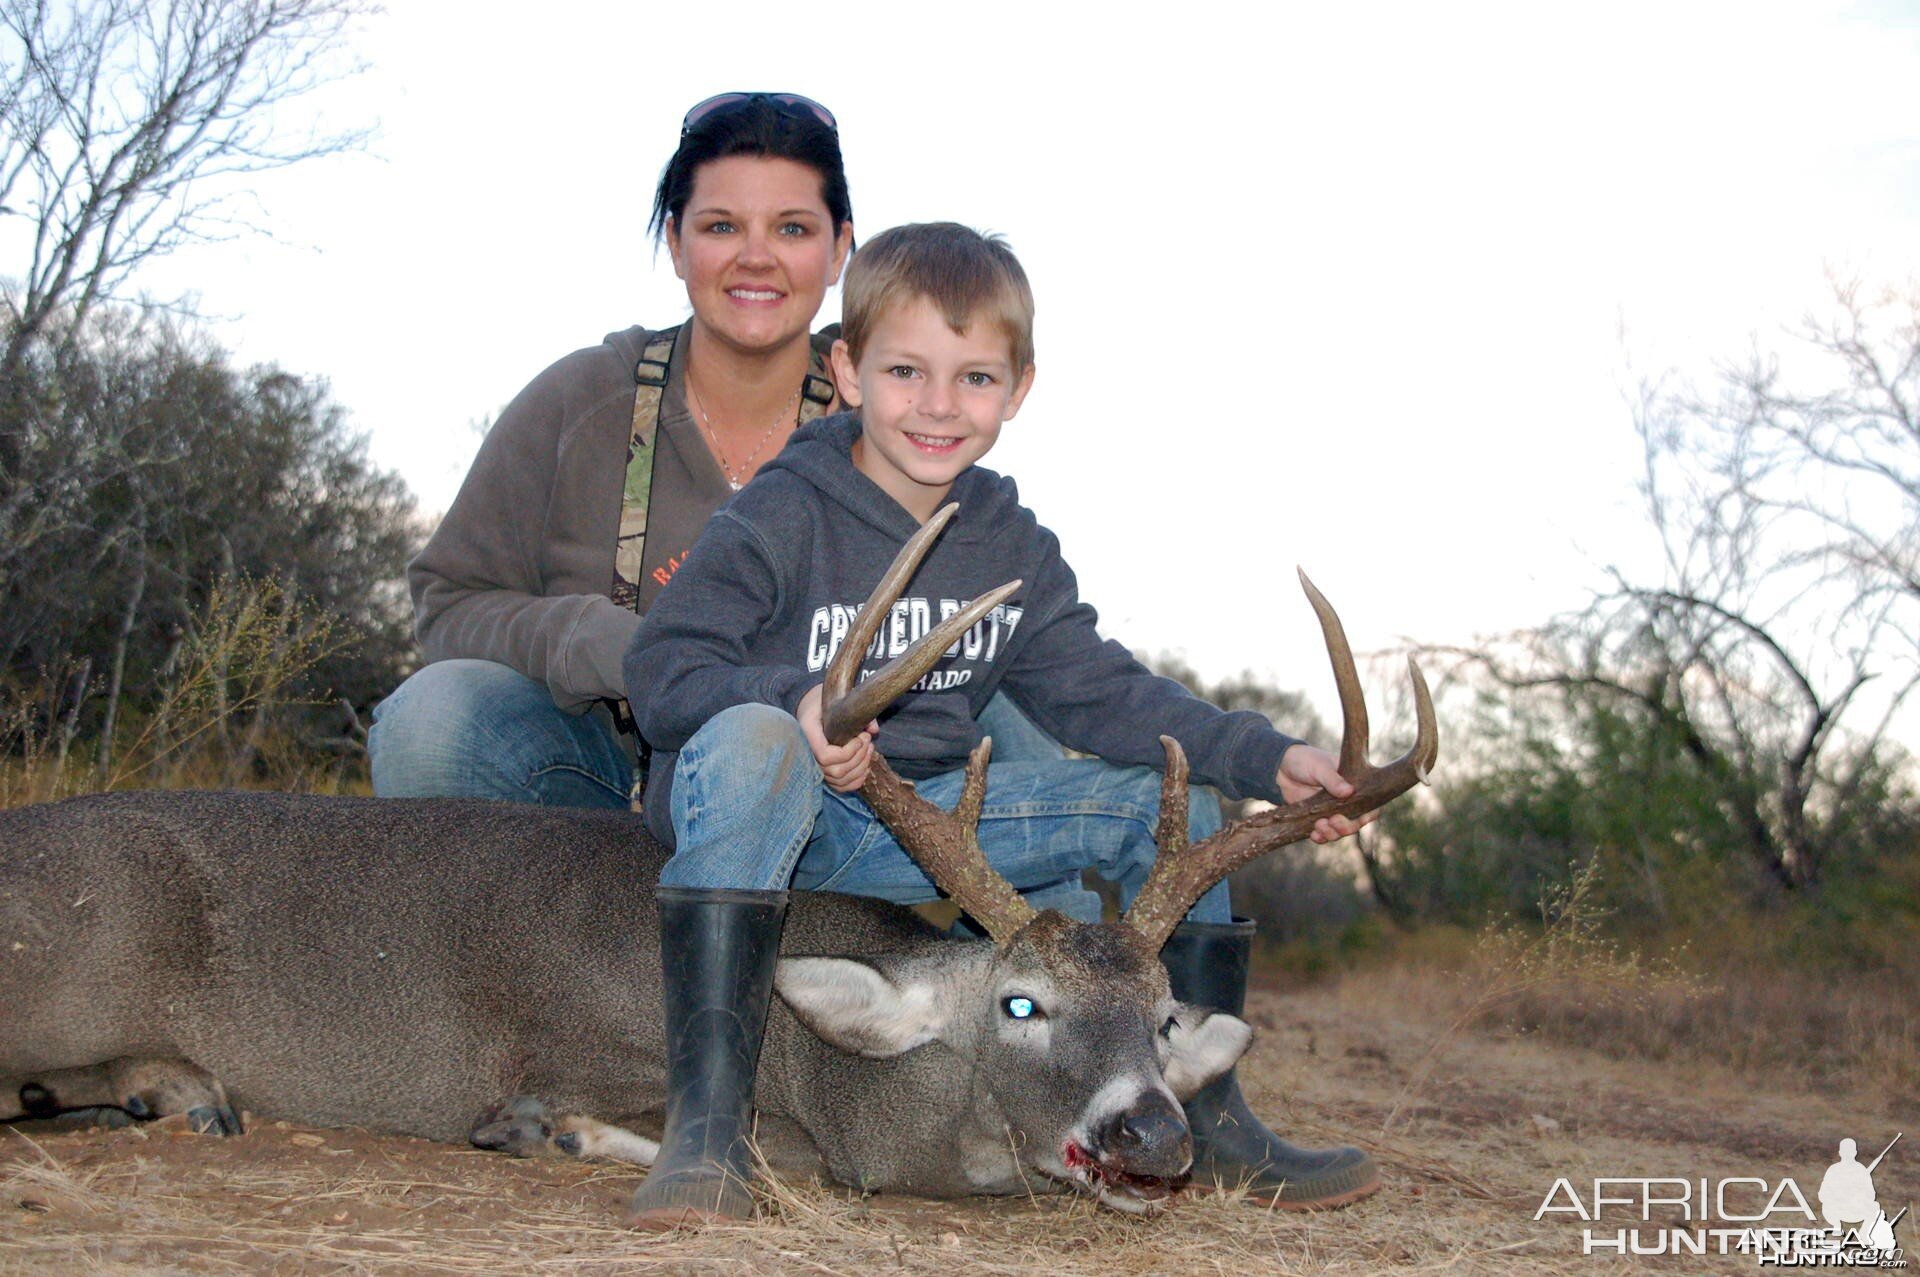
<point>1146,1190</point>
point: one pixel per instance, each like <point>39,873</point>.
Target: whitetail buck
<point>405,964</point>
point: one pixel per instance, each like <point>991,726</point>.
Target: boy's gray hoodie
<point>760,606</point>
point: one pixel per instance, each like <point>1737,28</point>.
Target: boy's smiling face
<point>931,400</point>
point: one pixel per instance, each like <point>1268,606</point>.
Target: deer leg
<point>583,1136</point>
<point>142,1087</point>
<point>523,1126</point>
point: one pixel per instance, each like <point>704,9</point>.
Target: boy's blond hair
<point>967,276</point>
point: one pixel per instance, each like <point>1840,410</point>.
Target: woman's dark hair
<point>758,126</point>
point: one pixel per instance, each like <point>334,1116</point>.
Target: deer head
<point>1071,1026</point>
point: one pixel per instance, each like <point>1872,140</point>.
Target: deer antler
<point>1181,875</point>
<point>945,844</point>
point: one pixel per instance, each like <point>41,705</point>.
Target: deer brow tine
<point>1353,701</point>
<point>844,718</point>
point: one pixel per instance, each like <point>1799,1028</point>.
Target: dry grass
<point>1739,1009</point>
<point>1473,1150</point>
<point>1765,1023</point>
<point>214,724</point>
<point>1510,965</point>
<point>404,1210</point>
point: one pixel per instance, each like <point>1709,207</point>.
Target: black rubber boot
<point>717,953</point>
<point>1207,964</point>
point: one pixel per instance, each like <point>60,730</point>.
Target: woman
<point>596,480</point>
<point>586,495</point>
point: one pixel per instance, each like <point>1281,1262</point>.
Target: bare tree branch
<point>125,127</point>
<point>1791,525</point>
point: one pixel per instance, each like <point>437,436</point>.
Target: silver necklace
<point>734,477</point>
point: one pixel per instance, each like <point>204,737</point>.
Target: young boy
<point>725,677</point>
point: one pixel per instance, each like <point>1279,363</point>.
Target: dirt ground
<point>1469,1156</point>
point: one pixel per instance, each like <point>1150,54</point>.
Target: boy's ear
<point>844,376</point>
<point>1019,395</point>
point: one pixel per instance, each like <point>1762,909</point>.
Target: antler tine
<point>848,709</point>
<point>846,664</point>
<point>1171,835</point>
<point>1178,880</point>
<point>973,794</point>
<point>942,843</point>
<point>1354,731</point>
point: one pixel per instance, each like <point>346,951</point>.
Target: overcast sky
<point>1355,287</point>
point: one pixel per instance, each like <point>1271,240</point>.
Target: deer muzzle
<point>1143,1151</point>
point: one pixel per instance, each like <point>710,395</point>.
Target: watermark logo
<point>1772,1220</point>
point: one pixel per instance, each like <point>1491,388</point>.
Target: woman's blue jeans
<point>478,729</point>
<point>750,812</point>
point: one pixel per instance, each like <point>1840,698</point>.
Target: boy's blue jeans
<point>750,812</point>
<point>471,728</point>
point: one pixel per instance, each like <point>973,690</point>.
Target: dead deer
<point>405,964</point>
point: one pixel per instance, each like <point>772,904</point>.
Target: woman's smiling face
<point>757,250</point>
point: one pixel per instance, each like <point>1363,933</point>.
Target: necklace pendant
<point>734,484</point>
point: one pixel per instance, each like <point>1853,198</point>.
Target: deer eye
<point>1020,1008</point>
<point>1166,1030</point>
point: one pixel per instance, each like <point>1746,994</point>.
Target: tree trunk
<point>117,677</point>
<point>73,697</point>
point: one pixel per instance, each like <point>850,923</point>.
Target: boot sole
<point>666,1219</point>
<point>1274,1198</point>
<point>690,1203</point>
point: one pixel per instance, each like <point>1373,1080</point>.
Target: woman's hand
<point>843,767</point>
<point>1306,771</point>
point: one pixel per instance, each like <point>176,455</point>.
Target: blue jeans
<point>478,729</point>
<point>750,812</point>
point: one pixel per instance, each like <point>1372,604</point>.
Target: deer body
<point>403,964</point>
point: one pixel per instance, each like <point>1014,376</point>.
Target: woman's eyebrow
<point>715,209</point>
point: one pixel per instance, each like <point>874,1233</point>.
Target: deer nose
<point>1150,1137</point>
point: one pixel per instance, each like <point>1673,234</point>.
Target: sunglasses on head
<point>788,103</point>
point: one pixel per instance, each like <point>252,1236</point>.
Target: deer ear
<point>1201,1048</point>
<point>857,1007</point>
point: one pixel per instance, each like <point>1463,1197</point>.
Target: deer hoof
<point>155,1088</point>
<point>518,1125</point>
<point>106,1117</point>
<point>213,1119</point>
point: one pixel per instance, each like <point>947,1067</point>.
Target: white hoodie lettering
<point>906,622</point>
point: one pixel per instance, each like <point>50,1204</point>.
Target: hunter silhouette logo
<point>1848,1203</point>
<point>1772,1220</point>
